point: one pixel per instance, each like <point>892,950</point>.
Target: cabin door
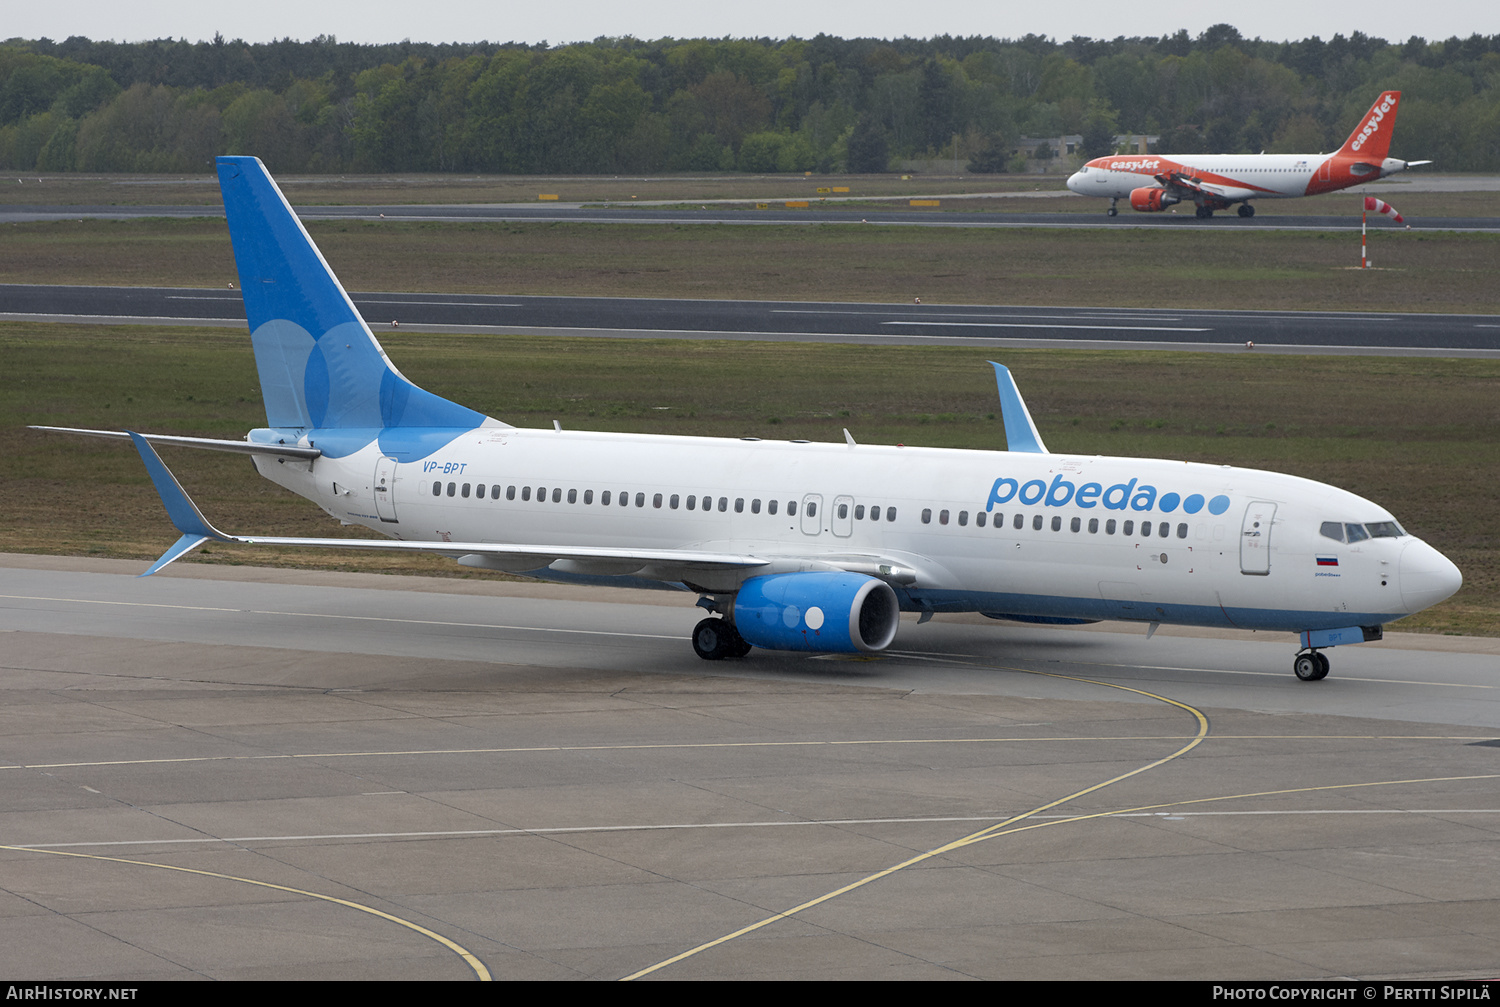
<point>385,489</point>
<point>812,517</point>
<point>841,522</point>
<point>1255,538</point>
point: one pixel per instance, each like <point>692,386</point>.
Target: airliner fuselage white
<point>790,545</point>
<point>1154,182</point>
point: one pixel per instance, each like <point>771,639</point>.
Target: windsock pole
<point>1364,259</point>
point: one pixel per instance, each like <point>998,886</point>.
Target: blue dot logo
<point>1193,504</point>
<point>1169,502</point>
<point>1218,504</point>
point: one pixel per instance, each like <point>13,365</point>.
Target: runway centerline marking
<point>803,823</point>
<point>727,745</point>
<point>480,972</point>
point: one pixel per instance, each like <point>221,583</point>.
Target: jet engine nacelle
<point>1148,200</point>
<point>828,612</point>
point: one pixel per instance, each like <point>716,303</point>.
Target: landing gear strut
<point>716,639</point>
<point>1310,666</point>
<point>1112,211</point>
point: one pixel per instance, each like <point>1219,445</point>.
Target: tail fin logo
<point>1377,115</point>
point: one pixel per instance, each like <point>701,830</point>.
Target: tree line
<point>623,105</point>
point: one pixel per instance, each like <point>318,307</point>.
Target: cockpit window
<point>1384,529</point>
<point>1333,530</point>
<point>1357,532</point>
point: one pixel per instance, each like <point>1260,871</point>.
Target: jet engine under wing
<point>196,530</point>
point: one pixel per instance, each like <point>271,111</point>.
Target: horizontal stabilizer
<point>1020,432</point>
<point>205,443</point>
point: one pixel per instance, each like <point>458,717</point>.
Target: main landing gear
<point>1246,210</point>
<point>716,639</point>
<point>1203,212</point>
<point>1310,666</point>
<point>1112,211</point>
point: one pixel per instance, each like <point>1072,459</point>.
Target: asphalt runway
<point>229,772</point>
<point>776,213</point>
<point>999,325</point>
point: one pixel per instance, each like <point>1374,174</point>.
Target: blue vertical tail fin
<point>320,365</point>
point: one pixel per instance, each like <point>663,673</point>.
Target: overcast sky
<point>582,20</point>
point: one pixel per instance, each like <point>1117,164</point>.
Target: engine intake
<point>1151,200</point>
<point>826,612</point>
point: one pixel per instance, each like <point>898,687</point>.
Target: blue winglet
<point>1020,432</point>
<point>184,513</point>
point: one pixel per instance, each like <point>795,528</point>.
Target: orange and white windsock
<point>1381,206</point>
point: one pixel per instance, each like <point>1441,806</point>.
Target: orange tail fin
<point>1371,139</point>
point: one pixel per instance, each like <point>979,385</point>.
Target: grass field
<point>1418,270</point>
<point>1422,437</point>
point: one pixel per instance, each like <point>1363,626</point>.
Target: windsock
<point>1381,206</point>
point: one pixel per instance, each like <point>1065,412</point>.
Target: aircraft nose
<point>1075,180</point>
<point>1427,576</point>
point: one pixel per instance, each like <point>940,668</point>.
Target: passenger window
<point>452,488</point>
<point>604,499</point>
<point>464,492</point>
<point>859,512</point>
<point>843,511</point>
<point>890,513</point>
<point>1093,526</point>
<point>927,515</point>
<point>1127,528</point>
<point>770,506</point>
<point>723,504</point>
<point>624,498</point>
<point>874,513</point>
<point>541,494</point>
<point>1333,530</point>
<point>572,496</point>
<point>739,505</point>
<point>1077,524</point>
<point>755,506</point>
<point>812,509</point>
<point>1019,522</point>
<point>656,501</point>
<point>980,517</point>
<point>494,492</point>
<point>510,492</point>
<point>963,519</point>
<point>525,492</point>
<point>1056,523</point>
<point>479,491</point>
<point>674,501</point>
<point>557,494</point>
<point>640,500</point>
<point>1164,529</point>
<point>437,489</point>
<point>791,508</point>
<point>1182,531</point>
<point>942,517</point>
<point>692,502</point>
<point>588,496</point>
<point>1036,523</point>
<point>1109,527</point>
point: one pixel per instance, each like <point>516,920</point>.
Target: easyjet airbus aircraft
<point>1153,182</point>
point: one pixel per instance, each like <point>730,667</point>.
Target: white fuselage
<point>1036,535</point>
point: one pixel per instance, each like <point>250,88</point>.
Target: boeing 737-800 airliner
<point>789,545</point>
<point>1153,182</point>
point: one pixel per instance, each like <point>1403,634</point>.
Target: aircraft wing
<point>1186,187</point>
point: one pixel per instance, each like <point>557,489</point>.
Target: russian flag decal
<point>1328,561</point>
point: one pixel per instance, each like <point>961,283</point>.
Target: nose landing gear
<point>1310,666</point>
